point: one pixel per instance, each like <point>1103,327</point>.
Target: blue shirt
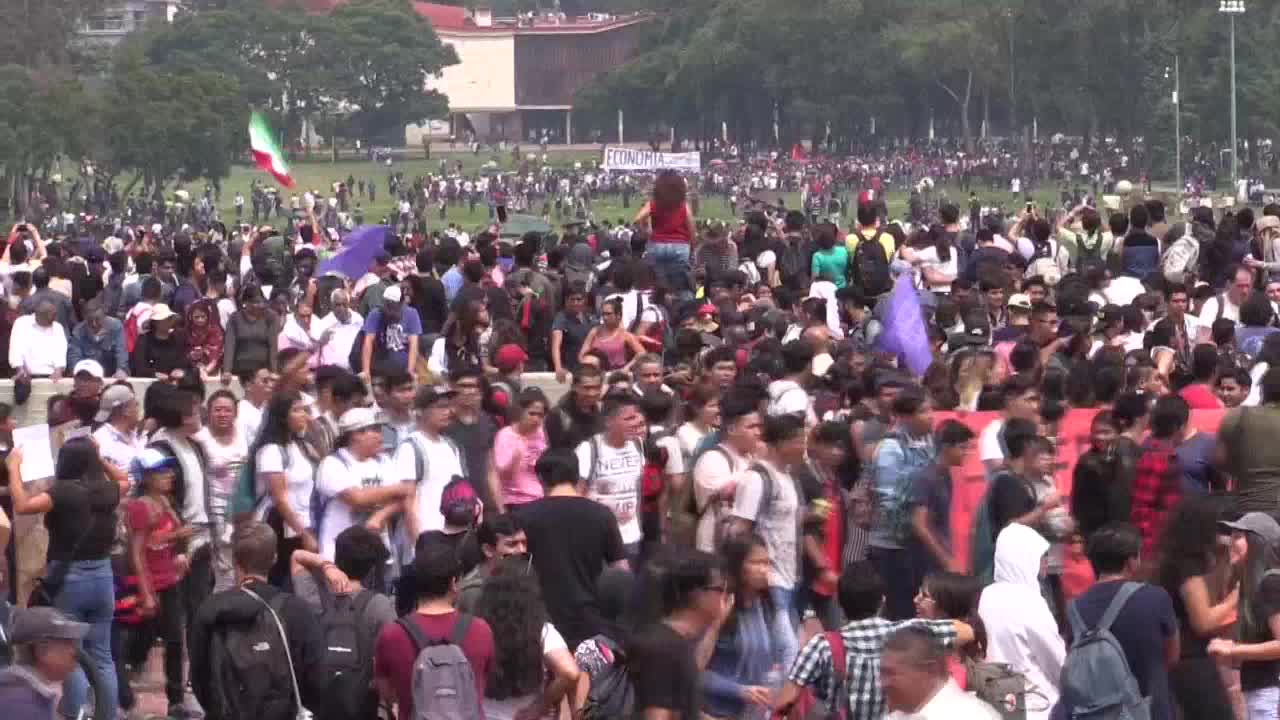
<point>108,349</point>
<point>740,659</point>
<point>391,344</point>
<point>452,281</point>
<point>896,461</point>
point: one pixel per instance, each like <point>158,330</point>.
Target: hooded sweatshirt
<point>1020,628</point>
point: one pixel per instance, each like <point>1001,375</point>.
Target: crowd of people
<point>742,504</point>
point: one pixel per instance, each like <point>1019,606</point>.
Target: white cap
<point>392,294</point>
<point>93,367</point>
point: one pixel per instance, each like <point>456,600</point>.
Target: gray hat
<point>1258,523</point>
<point>113,398</point>
<point>31,625</point>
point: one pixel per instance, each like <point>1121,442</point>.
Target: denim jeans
<point>671,264</point>
<point>1263,703</point>
<point>88,595</point>
<point>786,644</point>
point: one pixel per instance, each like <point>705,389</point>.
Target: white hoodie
<point>1020,628</point>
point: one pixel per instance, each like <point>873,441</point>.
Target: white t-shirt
<point>1209,313</point>
<point>689,436</point>
<point>1122,290</point>
<point>337,473</point>
<point>928,257</point>
<point>441,461</point>
<point>223,466</point>
<point>989,442</point>
<point>248,419</point>
<point>714,471</point>
<point>779,526</point>
<point>300,475</point>
<point>616,484</point>
<point>675,453</point>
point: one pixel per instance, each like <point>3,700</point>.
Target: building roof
<point>454,19</point>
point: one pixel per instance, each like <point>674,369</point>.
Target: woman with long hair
<point>516,449</point>
<point>831,260</point>
<point>80,514</point>
<point>460,344</point>
<point>1196,570</point>
<point>703,417</point>
<point>250,340</point>
<point>204,337</point>
<point>534,670</point>
<point>671,229</point>
<point>611,338</point>
<point>936,260</point>
<point>284,468</point>
<point>738,681</point>
<point>948,595</point>
<point>1255,543</point>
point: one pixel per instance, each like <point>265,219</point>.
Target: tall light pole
<point>1177,120</point>
<point>1232,8</point>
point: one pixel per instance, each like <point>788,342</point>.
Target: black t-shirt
<point>1266,602</point>
<point>571,539</point>
<point>1010,497</point>
<point>82,508</point>
<point>474,441</point>
<point>664,671</point>
<point>1141,628</point>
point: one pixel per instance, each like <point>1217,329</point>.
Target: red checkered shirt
<point>1157,487</point>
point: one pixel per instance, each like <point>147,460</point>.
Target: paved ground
<point>148,688</point>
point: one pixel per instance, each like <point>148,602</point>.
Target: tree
<point>49,114</point>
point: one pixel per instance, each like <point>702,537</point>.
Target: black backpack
<point>251,667</point>
<point>348,657</point>
<point>869,269</point>
<point>611,694</point>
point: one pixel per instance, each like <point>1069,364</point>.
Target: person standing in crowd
<point>336,333</point>
<point>204,337</point>
<point>284,467</point>
<point>915,683</point>
<point>717,471</point>
<point>569,331</point>
<point>663,658</point>
<point>359,556</point>
<point>1102,481</point>
<point>576,416</point>
<point>612,338</point>
<point>1157,480</point>
<point>43,643</point>
<point>393,395</point>
<point>1021,400</point>
<point>351,488</point>
<point>857,695</point>
<point>671,230</point>
<point>1197,571</point>
<point>1255,538</point>
<point>572,539</point>
<point>120,417</point>
<point>253,550</point>
<point>257,386</point>
<point>499,537</point>
<point>533,670</point>
<point>929,501</point>
<point>1247,451</point>
<point>156,562</point>
<point>748,649</point>
<point>177,412</point>
<point>610,465</point>
<point>767,503</point>
<point>99,338</point>
<point>250,340</point>
<point>80,514</point>
<point>474,431</point>
<point>516,450</point>
<point>906,450</point>
<point>1021,630</point>
<point>391,335</point>
<point>436,573</point>
<point>226,449</point>
<point>1146,626</point>
<point>428,461</point>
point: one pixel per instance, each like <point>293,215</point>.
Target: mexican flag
<point>266,152</point>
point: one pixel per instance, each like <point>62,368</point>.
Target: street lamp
<point>1232,8</point>
<point>1177,120</point>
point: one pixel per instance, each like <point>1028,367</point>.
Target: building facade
<point>122,17</point>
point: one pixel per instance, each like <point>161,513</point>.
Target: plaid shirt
<point>863,641</point>
<point>1157,487</point>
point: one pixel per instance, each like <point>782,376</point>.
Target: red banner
<point>969,482</point>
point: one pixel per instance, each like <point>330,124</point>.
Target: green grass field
<point>319,175</point>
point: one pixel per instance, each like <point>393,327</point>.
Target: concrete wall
<point>484,77</point>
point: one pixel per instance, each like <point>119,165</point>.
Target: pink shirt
<point>524,487</point>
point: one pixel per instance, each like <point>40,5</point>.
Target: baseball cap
<point>29,625</point>
<point>113,398</point>
<point>458,501</point>
<point>1258,523</point>
<point>508,357</point>
<point>392,294</point>
<point>92,367</point>
<point>707,309</point>
<point>1019,301</point>
<point>151,459</point>
<point>429,395</point>
<point>358,418</point>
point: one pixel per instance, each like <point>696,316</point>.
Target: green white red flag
<point>266,151</point>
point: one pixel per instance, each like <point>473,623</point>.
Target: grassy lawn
<point>319,175</point>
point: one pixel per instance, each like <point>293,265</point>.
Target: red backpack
<point>653,476</point>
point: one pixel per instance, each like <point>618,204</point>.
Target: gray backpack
<point>1097,683</point>
<point>444,686</point>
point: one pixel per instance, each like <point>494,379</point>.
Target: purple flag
<point>904,332</point>
<point>358,251</point>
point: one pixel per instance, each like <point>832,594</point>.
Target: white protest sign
<point>37,452</point>
<point>616,158</point>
